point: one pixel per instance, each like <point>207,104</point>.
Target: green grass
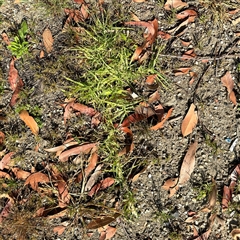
<point>104,55</point>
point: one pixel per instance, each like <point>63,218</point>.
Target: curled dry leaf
<point>13,77</point>
<point>160,124</point>
<point>152,32</point>
<point>228,190</point>
<point>190,121</point>
<point>61,148</point>
<point>48,40</point>
<point>139,1</point>
<point>59,229</point>
<point>93,159</point>
<point>130,146</point>
<point>36,178</point>
<point>181,71</point>
<point>4,175</point>
<point>20,174</point>
<point>164,35</point>
<point>151,79</point>
<point>190,54</point>
<point>6,160</point>
<point>228,82</point>
<point>63,195</point>
<point>102,221</point>
<point>186,13</point>
<point>154,97</point>
<point>235,233</point>
<point>85,148</point>
<point>188,164</point>
<point>105,183</point>
<point>2,138</point>
<point>171,185</point>
<point>174,4</point>
<point>107,232</point>
<point>29,121</point>
<point>204,236</point>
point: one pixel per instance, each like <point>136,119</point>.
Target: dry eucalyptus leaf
<point>36,178</point>
<point>190,121</point>
<point>29,121</point>
<point>188,164</point>
<point>48,40</point>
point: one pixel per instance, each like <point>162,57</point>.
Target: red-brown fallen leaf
<point>130,146</point>
<point>185,43</point>
<point>171,185</point>
<point>13,76</point>
<point>93,159</point>
<point>48,40</point>
<point>107,232</point>
<point>15,95</point>
<point>20,174</point>
<point>160,124</point>
<point>228,190</point>
<point>2,138</point>
<point>7,208</point>
<point>164,35</point>
<point>36,178</point>
<point>82,109</point>
<point>143,111</point>
<point>186,13</point>
<point>190,54</point>
<point>139,1</point>
<point>64,196</point>
<point>61,148</point>
<point>59,229</point>
<point>76,15</point>
<point>151,79</point>
<point>85,148</point>
<point>188,164</point>
<point>154,97</point>
<point>5,38</point>
<point>190,121</point>
<point>152,31</point>
<point>228,82</point>
<point>105,183</point>
<point>29,121</point>
<point>6,160</point>
<point>4,175</point>
<point>102,221</point>
<point>41,55</point>
<point>79,1</point>
<point>136,54</point>
<point>235,233</point>
<point>171,4</point>
<point>204,236</point>
<point>181,71</point>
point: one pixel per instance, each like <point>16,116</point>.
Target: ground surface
<point>214,35</point>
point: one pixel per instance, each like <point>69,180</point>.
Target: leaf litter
<point>92,171</point>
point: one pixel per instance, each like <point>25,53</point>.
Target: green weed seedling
<point>204,191</point>
<point>19,47</point>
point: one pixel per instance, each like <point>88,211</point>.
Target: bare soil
<point>163,150</point>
